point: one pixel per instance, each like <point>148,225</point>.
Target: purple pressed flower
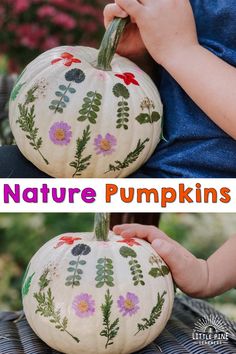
<point>105,145</point>
<point>128,305</point>
<point>60,133</point>
<point>83,305</point>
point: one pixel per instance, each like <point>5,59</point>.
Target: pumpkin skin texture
<point>73,280</point>
<point>71,119</point>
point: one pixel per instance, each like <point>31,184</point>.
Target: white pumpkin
<point>73,114</point>
<point>82,295</point>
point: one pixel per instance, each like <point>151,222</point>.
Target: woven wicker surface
<point>16,337</point>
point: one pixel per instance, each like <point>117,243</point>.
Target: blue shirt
<point>195,146</point>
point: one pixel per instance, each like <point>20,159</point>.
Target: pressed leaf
<point>130,158</point>
<point>97,102</point>
<point>70,269</point>
<point>165,270</point>
<point>119,90</point>
<point>82,262</point>
<point>155,116</point>
<point>154,315</point>
<point>98,96</point>
<point>66,99</point>
<point>82,118</point>
<point>62,104</point>
<point>71,90</point>
<point>127,252</point>
<point>72,262</point>
<point>26,121</point>
<point>143,118</point>
<point>110,330</point>
<point>90,107</point>
<point>81,162</point>
<point>62,87</point>
<point>26,286</point>
<point>99,285</point>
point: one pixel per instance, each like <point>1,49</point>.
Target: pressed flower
<point>105,146</point>
<point>75,75</point>
<point>67,58</point>
<point>147,103</point>
<point>128,78</point>
<point>83,305</point>
<point>69,240</point>
<point>130,241</point>
<point>81,249</point>
<point>60,133</point>
<point>128,304</point>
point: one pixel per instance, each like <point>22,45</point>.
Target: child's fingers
<point>132,7</point>
<point>141,231</point>
<point>128,230</point>
<point>190,273</point>
<point>178,259</point>
<point>111,11</point>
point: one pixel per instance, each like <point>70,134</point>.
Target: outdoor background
<point>30,27</point>
<point>22,234</point>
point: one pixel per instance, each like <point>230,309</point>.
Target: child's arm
<point>195,277</point>
<point>168,30</point>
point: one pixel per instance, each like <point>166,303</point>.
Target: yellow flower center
<point>105,145</point>
<point>83,306</point>
<point>128,304</point>
<point>59,134</point>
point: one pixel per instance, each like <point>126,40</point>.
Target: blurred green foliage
<point>23,234</point>
<point>3,64</point>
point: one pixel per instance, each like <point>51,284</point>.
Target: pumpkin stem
<point>110,42</point>
<point>101,226</point>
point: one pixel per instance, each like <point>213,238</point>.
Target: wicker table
<point>16,337</point>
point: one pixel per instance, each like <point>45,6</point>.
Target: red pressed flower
<point>130,241</point>
<point>128,78</point>
<point>69,240</point>
<point>67,58</point>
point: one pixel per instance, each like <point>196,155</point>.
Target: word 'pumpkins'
<point>103,294</point>
<point>82,112</point>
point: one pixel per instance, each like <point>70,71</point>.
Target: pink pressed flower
<point>128,304</point>
<point>83,305</point>
<point>60,133</point>
<point>105,146</point>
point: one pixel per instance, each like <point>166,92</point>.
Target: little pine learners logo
<point>210,330</point>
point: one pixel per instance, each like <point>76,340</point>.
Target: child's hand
<point>131,44</point>
<point>190,273</point>
<point>166,26</point>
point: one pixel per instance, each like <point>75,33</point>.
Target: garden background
<point>30,27</point>
<point>22,234</point>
